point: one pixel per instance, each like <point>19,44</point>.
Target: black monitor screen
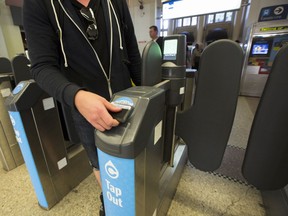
<point>260,49</point>
<point>170,49</point>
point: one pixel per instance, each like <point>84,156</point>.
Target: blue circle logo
<point>124,101</point>
<point>111,170</point>
<point>18,88</point>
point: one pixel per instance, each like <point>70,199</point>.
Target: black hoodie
<point>63,61</point>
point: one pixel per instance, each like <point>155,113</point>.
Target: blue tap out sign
<point>118,184</point>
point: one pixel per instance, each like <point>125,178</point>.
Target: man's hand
<point>95,108</point>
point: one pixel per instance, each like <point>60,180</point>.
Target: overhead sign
<point>277,12</point>
<point>184,8</point>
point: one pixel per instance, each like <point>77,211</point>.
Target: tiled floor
<point>198,193</point>
<point>210,194</point>
<point>203,194</point>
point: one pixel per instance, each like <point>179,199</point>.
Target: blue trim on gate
<point>118,184</point>
<point>28,157</point>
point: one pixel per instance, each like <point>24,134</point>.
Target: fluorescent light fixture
<point>184,8</point>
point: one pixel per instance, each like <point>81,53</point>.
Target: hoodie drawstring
<point>60,34</point>
<point>118,26</point>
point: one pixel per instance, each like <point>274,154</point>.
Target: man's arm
<point>44,52</point>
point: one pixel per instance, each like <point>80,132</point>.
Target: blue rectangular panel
<point>118,184</point>
<point>276,12</point>
<point>28,157</point>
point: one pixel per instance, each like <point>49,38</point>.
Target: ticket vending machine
<point>266,38</point>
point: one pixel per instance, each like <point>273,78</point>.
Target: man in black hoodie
<point>81,52</point>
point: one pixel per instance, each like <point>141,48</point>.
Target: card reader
<point>122,115</point>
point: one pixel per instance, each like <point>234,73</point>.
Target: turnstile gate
<point>10,154</point>
<point>136,182</point>
<point>54,169</point>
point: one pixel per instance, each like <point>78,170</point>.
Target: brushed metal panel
<point>50,134</point>
<point>170,179</point>
<point>17,154</point>
<point>69,177</point>
<point>7,135</point>
<point>6,156</point>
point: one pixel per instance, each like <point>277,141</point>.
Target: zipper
<point>111,41</point>
<point>97,57</point>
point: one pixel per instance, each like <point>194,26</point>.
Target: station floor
<point>221,193</point>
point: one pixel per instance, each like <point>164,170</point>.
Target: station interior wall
<point>11,43</point>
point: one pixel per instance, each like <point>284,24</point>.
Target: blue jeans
<point>86,134</point>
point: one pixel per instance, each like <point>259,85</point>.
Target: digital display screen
<point>170,49</point>
<point>183,8</point>
<point>260,49</point>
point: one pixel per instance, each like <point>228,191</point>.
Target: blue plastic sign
<point>277,12</point>
<point>18,88</point>
<point>118,184</point>
<point>28,157</point>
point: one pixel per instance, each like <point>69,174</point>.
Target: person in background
<point>153,32</point>
<point>196,53</point>
<point>81,52</point>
